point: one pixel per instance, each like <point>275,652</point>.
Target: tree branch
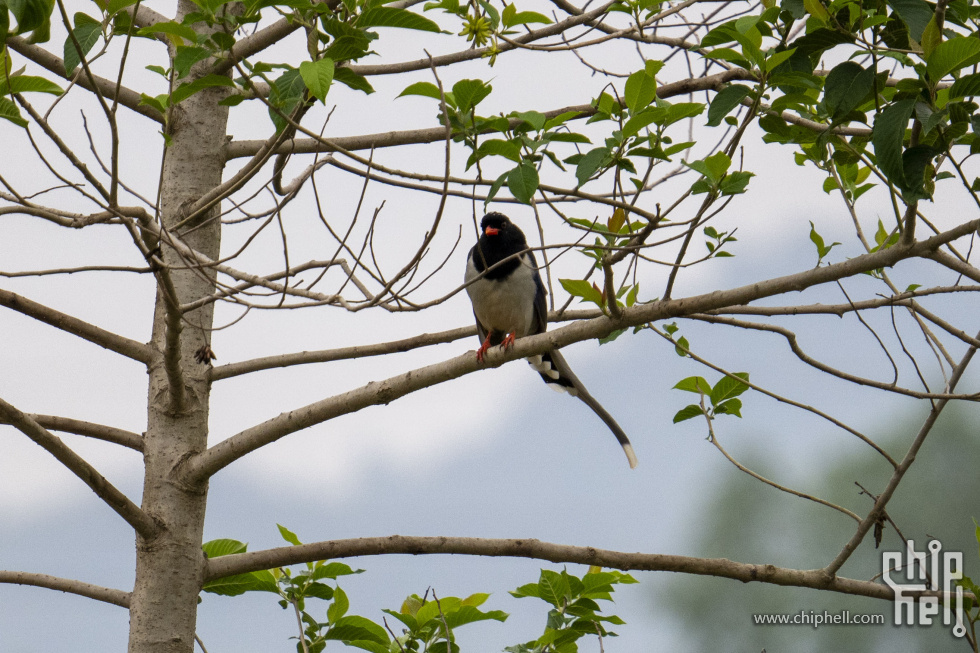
<point>118,501</point>
<point>345,353</point>
<point>126,97</point>
<point>107,339</point>
<point>204,465</point>
<point>87,429</point>
<point>535,549</point>
<point>238,149</point>
<point>899,473</point>
<point>97,592</point>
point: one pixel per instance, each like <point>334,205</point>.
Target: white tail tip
<point>630,455</point>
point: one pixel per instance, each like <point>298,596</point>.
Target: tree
<point>678,108</point>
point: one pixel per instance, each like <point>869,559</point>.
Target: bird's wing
<point>540,302</point>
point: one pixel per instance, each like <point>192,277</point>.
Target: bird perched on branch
<point>509,302</point>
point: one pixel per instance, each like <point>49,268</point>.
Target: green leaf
<point>535,119</point>
<point>31,15</point>
<point>339,606</point>
<point>87,30</point>
<point>27,84</point>
<point>589,163</point>
<point>612,336</point>
<point>846,87</point>
<point>695,384</point>
<point>426,89</point>
<point>725,101</point>
<point>349,78</point>
<point>176,32</point>
<point>565,137</point>
<point>495,187</point>
<point>470,92</point>
<point>467,614</point>
<point>641,120</point>
<point>583,289</point>
<point>931,37</point>
<point>184,91</point>
<point>965,86</point>
<point>510,17</point>
<point>774,60</point>
<point>816,9</point>
<point>554,587</point>
<point>735,183</point>
<point>500,147</point>
<point>523,182</point>
<point>9,111</point>
<point>817,239</point>
<point>953,55</point>
<point>916,14</point>
<point>288,535</point>
<point>118,5</point>
<point>524,591</point>
<point>682,110</point>
<point>730,407</point>
<point>320,591</point>
<point>355,628</point>
<point>256,581</point>
<point>686,413</point>
<point>640,91</point>
<point>317,75</point>
<point>333,570</point>
<point>223,547</point>
<point>159,102</point>
<point>394,17</point>
<point>888,136</point>
<point>727,388</point>
<point>348,47</point>
<point>187,56</point>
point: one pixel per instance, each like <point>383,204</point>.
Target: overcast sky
<point>492,454</point>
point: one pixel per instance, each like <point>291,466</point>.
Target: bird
<point>508,298</point>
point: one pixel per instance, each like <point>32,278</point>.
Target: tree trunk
<point>169,568</point>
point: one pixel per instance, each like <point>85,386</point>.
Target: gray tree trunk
<point>169,568</point>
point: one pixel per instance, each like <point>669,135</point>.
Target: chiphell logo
<point>918,566</point>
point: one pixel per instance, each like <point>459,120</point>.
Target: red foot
<point>508,341</point>
<point>483,349</point>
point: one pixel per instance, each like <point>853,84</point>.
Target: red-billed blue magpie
<point>509,302</point>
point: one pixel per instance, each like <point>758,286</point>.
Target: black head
<point>500,238</point>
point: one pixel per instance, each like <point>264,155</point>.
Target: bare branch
<point>537,550</point>
<point>97,592</point>
<point>823,367</point>
<point>345,353</point>
<point>116,500</point>
<point>88,429</point>
<point>111,341</point>
<point>899,473</point>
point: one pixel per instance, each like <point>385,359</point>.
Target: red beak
<point>492,231</point>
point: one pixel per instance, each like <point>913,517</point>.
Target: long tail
<point>555,371</point>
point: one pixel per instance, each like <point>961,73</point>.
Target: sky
<point>492,454</point>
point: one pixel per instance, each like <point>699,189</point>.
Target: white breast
<point>504,305</point>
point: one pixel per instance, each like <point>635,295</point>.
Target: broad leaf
<point>395,17</point>
<point>916,14</point>
<point>727,99</point>
<point>317,75</point>
<point>952,55</point>
<point>888,137</point>
<point>87,30</point>
<point>522,182</point>
<point>846,87</point>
